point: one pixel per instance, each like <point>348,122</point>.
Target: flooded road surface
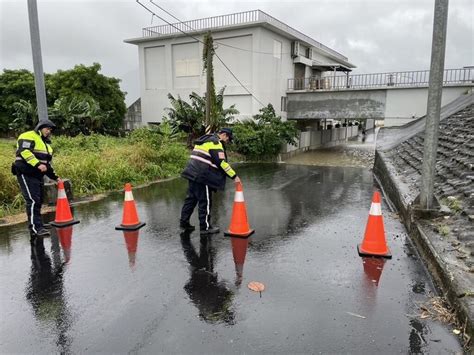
<point>359,152</point>
<point>100,290</point>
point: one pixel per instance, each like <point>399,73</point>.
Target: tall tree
<point>95,100</point>
<point>86,82</point>
<point>15,85</point>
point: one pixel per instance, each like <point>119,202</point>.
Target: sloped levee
<point>445,240</point>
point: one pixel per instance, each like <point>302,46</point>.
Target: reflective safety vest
<point>33,150</point>
<point>208,163</point>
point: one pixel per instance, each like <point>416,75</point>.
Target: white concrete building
<point>262,52</point>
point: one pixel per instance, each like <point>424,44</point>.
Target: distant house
<point>262,52</point>
<point>133,117</point>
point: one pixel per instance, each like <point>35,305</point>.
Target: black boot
<point>186,226</point>
<point>43,233</point>
<point>210,230</point>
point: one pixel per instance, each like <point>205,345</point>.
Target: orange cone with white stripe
<point>239,226</point>
<point>63,211</point>
<point>130,219</point>
<point>374,243</point>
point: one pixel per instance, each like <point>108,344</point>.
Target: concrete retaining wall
<point>400,198</point>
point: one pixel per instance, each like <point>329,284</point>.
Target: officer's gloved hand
<point>237,180</point>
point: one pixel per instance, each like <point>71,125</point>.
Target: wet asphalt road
<point>161,292</point>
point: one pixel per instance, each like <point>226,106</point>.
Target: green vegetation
<point>454,204</point>
<point>98,163</point>
<point>80,100</point>
<point>443,229</point>
<point>262,138</point>
<point>189,118</point>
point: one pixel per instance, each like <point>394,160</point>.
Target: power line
<point>197,39</point>
<point>230,71</point>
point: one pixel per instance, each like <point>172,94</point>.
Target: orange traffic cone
<point>131,241</point>
<point>239,250</point>
<point>65,238</point>
<point>130,217</point>
<point>63,211</point>
<point>239,226</point>
<point>374,240</point>
<point>373,268</point>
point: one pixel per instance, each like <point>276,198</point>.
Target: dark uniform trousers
<point>32,190</point>
<point>202,195</point>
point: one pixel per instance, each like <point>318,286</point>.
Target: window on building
<point>155,75</point>
<point>284,102</point>
<point>187,67</point>
<point>276,49</point>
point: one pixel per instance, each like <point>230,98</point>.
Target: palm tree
<point>190,118</point>
<point>185,117</point>
<point>26,115</point>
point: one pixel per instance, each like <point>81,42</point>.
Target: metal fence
<point>463,76</point>
<point>240,18</point>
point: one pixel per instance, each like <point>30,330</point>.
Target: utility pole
<point>435,91</point>
<point>37,61</point>
<point>208,83</point>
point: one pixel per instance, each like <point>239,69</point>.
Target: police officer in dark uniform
<point>32,163</point>
<point>206,171</point>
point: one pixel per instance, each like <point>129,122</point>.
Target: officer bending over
<point>206,171</point>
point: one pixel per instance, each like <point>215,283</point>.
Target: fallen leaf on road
<point>256,286</point>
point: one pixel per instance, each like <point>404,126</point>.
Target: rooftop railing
<point>240,18</point>
<point>463,76</point>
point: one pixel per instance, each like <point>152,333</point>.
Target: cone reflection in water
<point>239,226</point>
<point>373,268</point>
<point>130,219</point>
<point>239,251</point>
<point>63,216</point>
<point>374,243</point>
<point>131,241</point>
<point>65,239</point>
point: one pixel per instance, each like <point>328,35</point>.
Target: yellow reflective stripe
<point>210,145</point>
<point>227,168</point>
<point>29,157</point>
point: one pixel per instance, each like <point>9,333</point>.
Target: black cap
<point>228,131</point>
<point>45,123</point>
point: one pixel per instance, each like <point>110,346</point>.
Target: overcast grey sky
<point>376,35</point>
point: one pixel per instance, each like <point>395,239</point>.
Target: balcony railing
<point>463,76</point>
<point>240,18</point>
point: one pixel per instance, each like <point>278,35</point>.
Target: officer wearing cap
<point>206,171</point>
<point>32,163</point>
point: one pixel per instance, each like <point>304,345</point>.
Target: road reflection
<point>373,268</point>
<point>211,297</point>
<point>131,242</point>
<point>45,291</point>
<point>239,251</point>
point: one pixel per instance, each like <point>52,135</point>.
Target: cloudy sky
<point>376,35</point>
